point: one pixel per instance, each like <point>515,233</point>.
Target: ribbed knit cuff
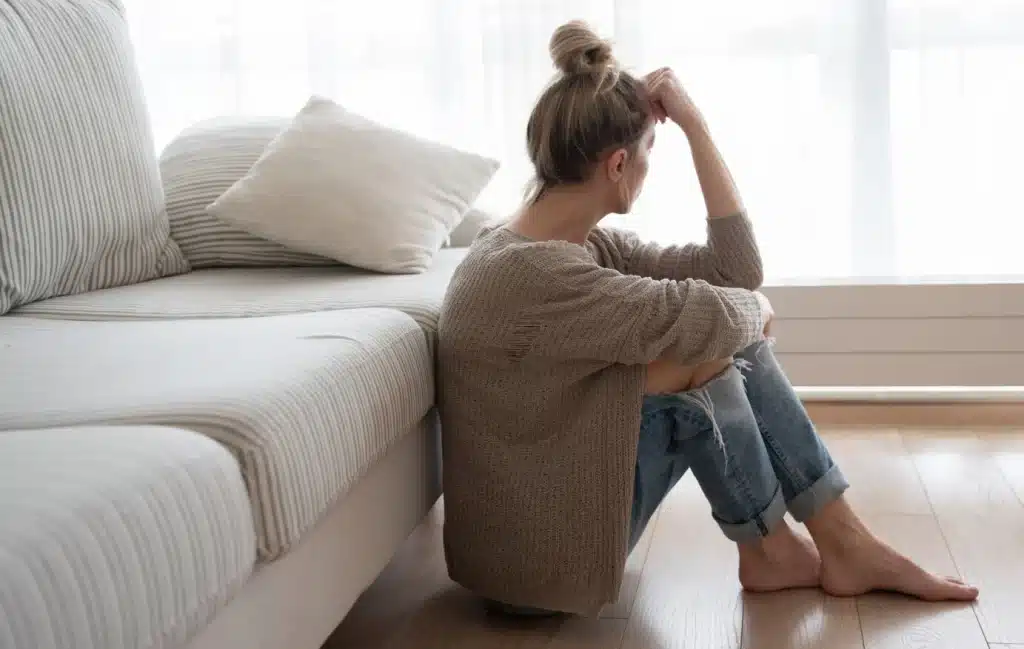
<point>750,314</point>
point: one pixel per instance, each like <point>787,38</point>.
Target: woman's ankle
<point>783,559</point>
<point>781,538</point>
<point>836,526</point>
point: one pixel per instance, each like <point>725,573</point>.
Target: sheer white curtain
<point>870,138</point>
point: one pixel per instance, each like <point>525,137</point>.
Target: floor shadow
<point>457,619</point>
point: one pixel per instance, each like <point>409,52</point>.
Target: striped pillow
<point>81,207</point>
<point>202,163</point>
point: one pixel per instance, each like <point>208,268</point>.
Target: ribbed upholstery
<point>117,537</point>
<point>81,206</point>
<point>305,402</point>
<point>201,164</point>
<point>235,292</point>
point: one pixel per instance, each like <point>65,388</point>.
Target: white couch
<point>318,385</point>
<point>222,458</point>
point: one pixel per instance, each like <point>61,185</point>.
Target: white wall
<point>901,334</point>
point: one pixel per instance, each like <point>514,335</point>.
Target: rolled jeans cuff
<point>760,525</point>
<point>826,489</point>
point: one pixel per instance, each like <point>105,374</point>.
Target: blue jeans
<point>750,444</point>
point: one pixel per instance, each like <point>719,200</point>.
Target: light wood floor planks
<point>952,499</point>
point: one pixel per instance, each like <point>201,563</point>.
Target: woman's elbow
<point>750,277</point>
<point>753,279</point>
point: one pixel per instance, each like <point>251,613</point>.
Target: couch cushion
<point>239,292</point>
<point>203,162</point>
<point>338,184</point>
<point>118,537</point>
<point>306,402</point>
<point>81,206</point>
<point>197,167</point>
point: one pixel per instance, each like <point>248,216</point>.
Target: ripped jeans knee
<point>756,352</point>
<point>705,396</point>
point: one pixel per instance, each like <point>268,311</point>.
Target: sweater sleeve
<point>729,258</point>
<point>598,313</point>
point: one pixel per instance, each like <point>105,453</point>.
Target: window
<point>871,138</point>
<point>877,143</point>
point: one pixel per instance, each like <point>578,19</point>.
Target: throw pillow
<point>342,186</point>
<point>466,232</point>
<point>81,206</point>
<point>198,166</point>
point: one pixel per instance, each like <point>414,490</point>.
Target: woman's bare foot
<point>854,562</point>
<point>779,561</point>
<point>866,564</point>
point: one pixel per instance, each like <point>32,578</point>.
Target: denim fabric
<point>749,442</point>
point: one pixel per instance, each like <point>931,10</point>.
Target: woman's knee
<point>708,371</point>
<point>667,377</point>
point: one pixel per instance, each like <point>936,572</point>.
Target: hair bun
<point>576,49</point>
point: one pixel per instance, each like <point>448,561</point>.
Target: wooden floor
<point>951,499</point>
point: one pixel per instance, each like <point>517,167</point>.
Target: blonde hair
<point>591,106</point>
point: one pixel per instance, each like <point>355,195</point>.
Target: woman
<point>583,372</point>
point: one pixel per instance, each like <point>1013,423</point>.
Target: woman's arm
<point>731,256</point>
<point>716,183</point>
<point>670,101</point>
<point>585,311</point>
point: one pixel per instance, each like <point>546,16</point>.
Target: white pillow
<point>339,185</point>
<point>197,167</point>
<point>467,231</point>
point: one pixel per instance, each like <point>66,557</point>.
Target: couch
<point>225,457</point>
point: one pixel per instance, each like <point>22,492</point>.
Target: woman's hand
<point>669,100</point>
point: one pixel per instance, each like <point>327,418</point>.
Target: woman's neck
<point>560,214</point>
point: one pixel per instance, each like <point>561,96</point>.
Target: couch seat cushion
<point>306,402</point>
<point>241,292</point>
<point>118,537</point>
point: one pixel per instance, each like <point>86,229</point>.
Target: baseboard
<point>926,414</point>
<point>914,394</point>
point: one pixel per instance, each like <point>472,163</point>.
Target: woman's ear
<point>617,164</point>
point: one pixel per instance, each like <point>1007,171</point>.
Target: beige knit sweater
<point>541,365</point>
